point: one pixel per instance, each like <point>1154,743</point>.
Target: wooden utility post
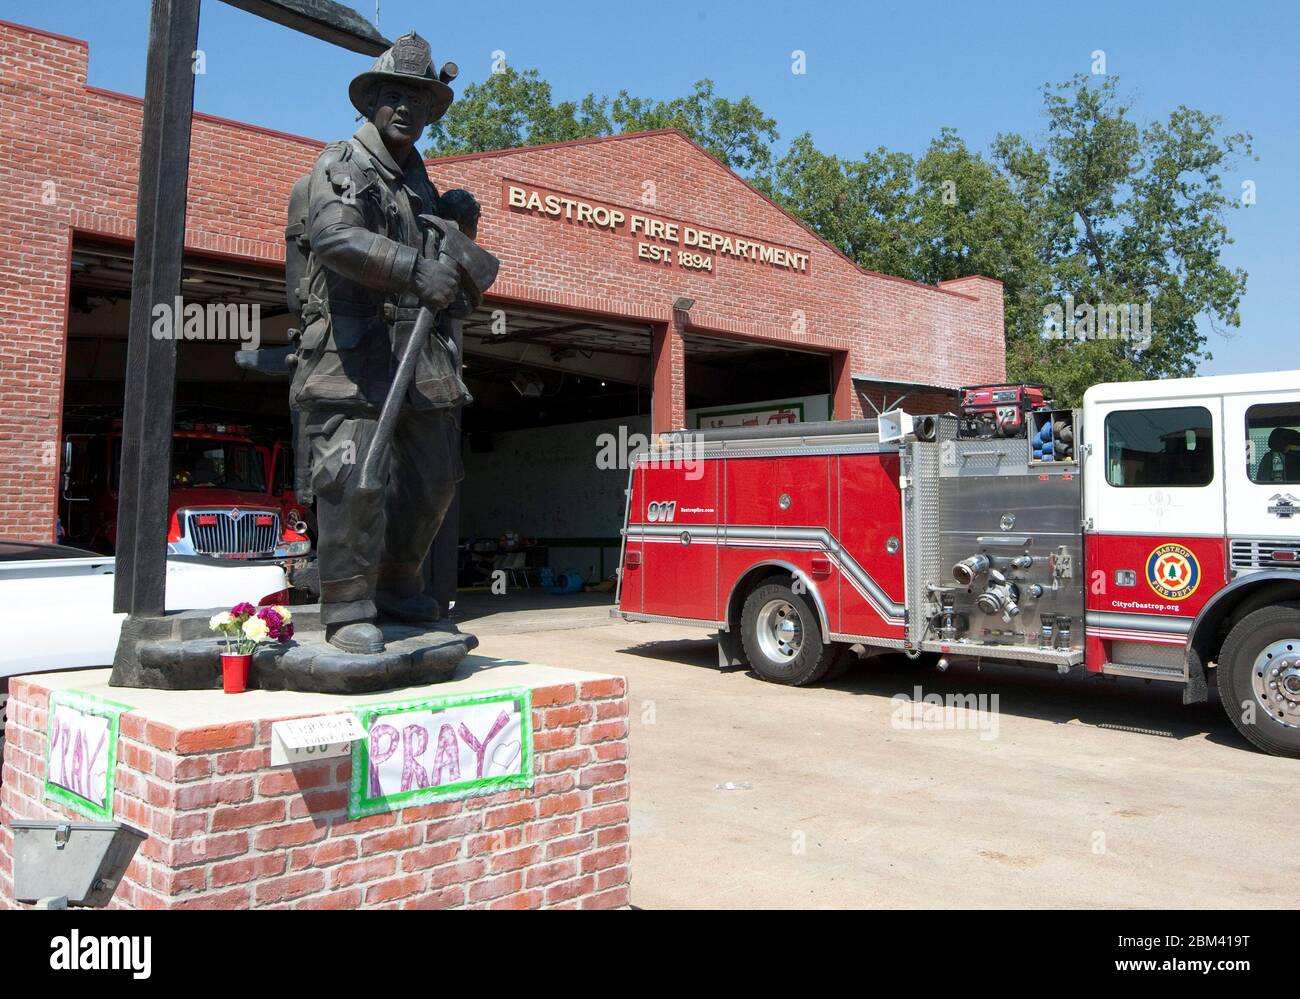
<point>140,578</point>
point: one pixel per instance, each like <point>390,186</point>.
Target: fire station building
<point>643,286</point>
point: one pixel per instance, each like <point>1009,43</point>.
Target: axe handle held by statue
<point>371,479</point>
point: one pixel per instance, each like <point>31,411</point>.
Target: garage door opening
<point>232,435</point>
<point>737,383</point>
<point>560,400</point>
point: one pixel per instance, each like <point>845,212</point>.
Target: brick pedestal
<point>228,831</point>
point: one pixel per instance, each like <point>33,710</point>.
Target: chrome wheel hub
<point>780,631</point>
<point>1275,678</point>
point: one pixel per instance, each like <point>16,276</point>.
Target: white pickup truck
<point>56,604</point>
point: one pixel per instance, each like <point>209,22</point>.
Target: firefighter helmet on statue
<point>408,62</point>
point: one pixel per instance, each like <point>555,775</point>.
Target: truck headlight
<point>292,549</point>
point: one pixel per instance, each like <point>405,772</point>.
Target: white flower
<point>285,616</point>
<point>220,622</point>
<point>255,629</point>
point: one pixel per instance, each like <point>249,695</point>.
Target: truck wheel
<point>782,636</point>
<point>1259,678</point>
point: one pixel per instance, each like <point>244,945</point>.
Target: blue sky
<point>887,74</point>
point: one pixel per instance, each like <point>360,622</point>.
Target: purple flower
<point>277,627</point>
<point>243,611</point>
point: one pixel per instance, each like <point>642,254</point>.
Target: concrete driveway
<point>518,611</point>
<point>1075,792</point>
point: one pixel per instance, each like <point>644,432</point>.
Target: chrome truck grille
<point>1265,553</point>
<point>233,531</point>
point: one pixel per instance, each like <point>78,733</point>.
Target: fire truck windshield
<point>208,464</point>
<point>203,464</point>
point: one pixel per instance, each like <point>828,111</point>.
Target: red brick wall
<point>893,330</point>
<point>79,146</point>
<point>228,832</point>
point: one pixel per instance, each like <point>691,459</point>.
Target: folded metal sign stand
<point>58,864</point>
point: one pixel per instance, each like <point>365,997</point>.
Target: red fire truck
<point>1151,533</point>
<point>231,496</point>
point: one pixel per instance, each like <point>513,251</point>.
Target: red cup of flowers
<point>243,628</point>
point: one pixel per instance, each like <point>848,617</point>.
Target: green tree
<point>949,214</point>
<point>1125,213</point>
<point>736,132</point>
<point>867,208</point>
<point>1103,211</point>
<point>1100,210</point>
<point>972,222</point>
<point>516,108</point>
<point>513,108</point>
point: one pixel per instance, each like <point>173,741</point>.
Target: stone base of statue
<point>179,652</point>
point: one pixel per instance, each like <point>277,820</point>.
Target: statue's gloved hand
<point>435,283</point>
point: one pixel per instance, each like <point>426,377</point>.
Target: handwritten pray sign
<point>81,752</point>
<point>416,752</point>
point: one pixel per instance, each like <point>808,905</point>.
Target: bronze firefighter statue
<point>387,268</point>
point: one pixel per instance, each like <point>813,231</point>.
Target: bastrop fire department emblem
<point>1173,572</point>
<point>1284,506</point>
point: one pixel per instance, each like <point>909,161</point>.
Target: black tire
<point>1251,638</point>
<point>810,661</point>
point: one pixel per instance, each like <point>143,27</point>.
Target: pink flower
<point>243,611</point>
